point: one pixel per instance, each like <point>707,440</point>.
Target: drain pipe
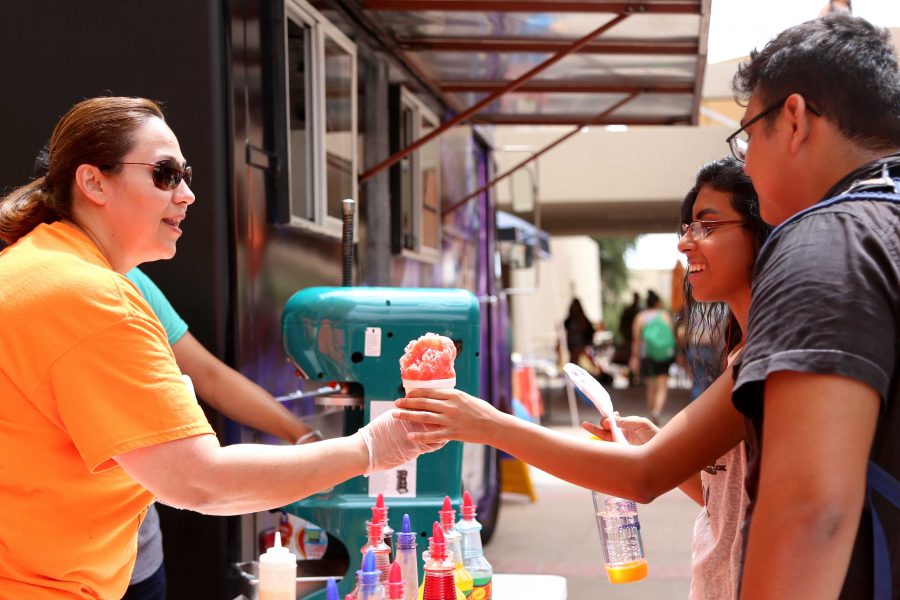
<point>347,208</point>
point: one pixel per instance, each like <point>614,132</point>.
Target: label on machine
<point>373,341</point>
<point>399,482</point>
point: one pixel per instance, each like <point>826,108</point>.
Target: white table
<point>513,587</point>
<point>517,587</point>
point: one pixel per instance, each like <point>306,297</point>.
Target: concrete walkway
<point>557,535</point>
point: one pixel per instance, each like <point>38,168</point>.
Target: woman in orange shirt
<point>96,419</point>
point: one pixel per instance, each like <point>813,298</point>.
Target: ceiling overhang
<point>530,62</point>
<point>468,52</point>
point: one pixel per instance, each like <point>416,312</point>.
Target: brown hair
<point>97,131</point>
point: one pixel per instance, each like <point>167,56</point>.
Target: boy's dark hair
<point>843,65</point>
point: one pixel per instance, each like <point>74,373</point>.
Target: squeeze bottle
<point>376,545</point>
<point>380,554</point>
<point>439,581</point>
<point>406,558</point>
<point>394,588</point>
<point>454,547</point>
<point>331,590</point>
<point>369,578</point>
<point>472,553</point>
<point>277,573</point>
<point>380,514</point>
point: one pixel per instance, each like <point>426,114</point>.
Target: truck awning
<point>462,51</point>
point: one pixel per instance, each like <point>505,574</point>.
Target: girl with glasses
<point>700,449</point>
<point>95,419</point>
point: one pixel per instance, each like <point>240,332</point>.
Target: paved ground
<point>566,541</point>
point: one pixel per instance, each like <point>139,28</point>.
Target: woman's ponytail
<point>25,208</point>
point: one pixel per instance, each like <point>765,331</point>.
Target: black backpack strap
<point>882,195</point>
<point>881,482</point>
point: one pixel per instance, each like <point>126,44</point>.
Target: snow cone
<point>428,363</point>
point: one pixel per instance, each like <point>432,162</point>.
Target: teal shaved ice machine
<point>354,337</point>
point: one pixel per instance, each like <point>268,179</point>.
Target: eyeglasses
<point>701,229</point>
<point>739,141</point>
<point>167,174</point>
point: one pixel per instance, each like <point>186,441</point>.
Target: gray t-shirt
<point>150,550</point>
<point>826,299</point>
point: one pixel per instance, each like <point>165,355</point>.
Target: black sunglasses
<point>167,174</point>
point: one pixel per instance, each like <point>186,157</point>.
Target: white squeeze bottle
<point>277,573</point>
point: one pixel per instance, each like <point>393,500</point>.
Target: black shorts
<point>652,368</point>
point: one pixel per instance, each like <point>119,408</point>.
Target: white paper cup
<point>429,384</point>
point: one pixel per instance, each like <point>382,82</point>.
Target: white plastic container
<point>429,384</point>
<point>617,518</point>
<point>277,573</point>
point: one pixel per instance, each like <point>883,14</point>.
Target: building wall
<point>643,280</point>
<point>573,271</point>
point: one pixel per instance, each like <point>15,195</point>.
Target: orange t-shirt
<point>86,374</point>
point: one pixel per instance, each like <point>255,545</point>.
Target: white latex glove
<point>387,442</point>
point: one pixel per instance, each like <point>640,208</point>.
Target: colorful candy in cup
<point>427,362</point>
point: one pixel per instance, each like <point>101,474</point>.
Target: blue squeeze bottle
<point>369,579</point>
<point>331,590</point>
<point>406,557</point>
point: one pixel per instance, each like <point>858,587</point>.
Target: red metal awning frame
<point>575,119</point>
<point>534,44</point>
<point>464,115</point>
<point>581,86</point>
<point>593,121</point>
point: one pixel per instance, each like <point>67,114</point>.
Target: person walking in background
<point>653,352</point>
<point>837,6</point>
<point>626,322</point>
<point>579,336</point>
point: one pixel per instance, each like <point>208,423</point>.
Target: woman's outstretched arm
<point>695,437</point>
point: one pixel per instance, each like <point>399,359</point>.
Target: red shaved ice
<point>429,357</point>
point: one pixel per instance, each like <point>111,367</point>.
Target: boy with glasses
<point>818,379</point>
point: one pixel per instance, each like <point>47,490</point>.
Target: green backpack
<point>659,340</point>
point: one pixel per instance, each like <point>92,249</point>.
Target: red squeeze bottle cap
<point>447,513</point>
<point>395,583</point>
<point>379,511</point>
<point>374,529</point>
<point>468,507</point>
<point>438,543</point>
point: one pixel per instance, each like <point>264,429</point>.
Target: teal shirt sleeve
<point>174,325</point>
